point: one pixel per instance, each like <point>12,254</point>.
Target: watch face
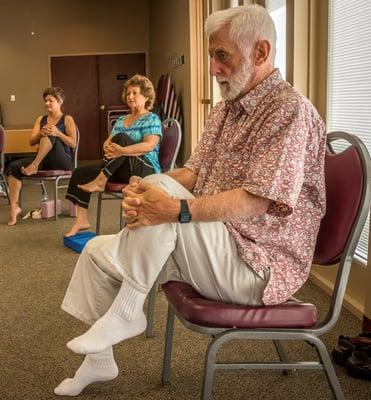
<point>184,216</point>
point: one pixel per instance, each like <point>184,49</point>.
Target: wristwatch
<point>184,216</point>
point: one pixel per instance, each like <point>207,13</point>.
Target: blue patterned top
<point>148,124</point>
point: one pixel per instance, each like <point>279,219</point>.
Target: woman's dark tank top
<point>60,126</point>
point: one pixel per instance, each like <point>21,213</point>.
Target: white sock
<point>124,319</point>
<point>95,368</point>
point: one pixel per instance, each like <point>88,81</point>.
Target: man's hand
<point>145,204</point>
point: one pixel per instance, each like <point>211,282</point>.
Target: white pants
<point>202,254</point>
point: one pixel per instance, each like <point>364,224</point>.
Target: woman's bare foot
<point>77,227</point>
<point>93,186</point>
<point>14,212</point>
<point>30,170</point>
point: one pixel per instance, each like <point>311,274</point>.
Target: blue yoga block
<point>78,241</point>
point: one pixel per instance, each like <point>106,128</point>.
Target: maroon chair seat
<point>114,187</point>
<point>45,173</point>
<point>201,311</point>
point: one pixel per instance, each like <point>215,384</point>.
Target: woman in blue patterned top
<point>131,149</point>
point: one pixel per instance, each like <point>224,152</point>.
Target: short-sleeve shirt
<point>148,124</point>
<point>272,144</point>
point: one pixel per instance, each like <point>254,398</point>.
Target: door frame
<point>200,81</point>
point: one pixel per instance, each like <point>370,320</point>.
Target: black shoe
<point>359,364</point>
<point>347,345</point>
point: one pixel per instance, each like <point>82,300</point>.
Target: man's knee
<point>156,179</point>
<point>168,185</point>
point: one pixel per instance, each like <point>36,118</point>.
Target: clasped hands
<point>112,150</point>
<point>49,130</point>
<point>144,204</point>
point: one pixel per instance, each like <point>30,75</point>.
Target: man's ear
<point>262,51</point>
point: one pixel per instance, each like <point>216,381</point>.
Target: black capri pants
<point>57,158</point>
<point>118,169</point>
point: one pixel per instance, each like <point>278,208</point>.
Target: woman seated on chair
<point>55,135</point>
<point>131,149</point>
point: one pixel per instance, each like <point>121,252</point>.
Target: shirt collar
<point>255,95</point>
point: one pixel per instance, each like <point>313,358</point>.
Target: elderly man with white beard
<point>238,222</point>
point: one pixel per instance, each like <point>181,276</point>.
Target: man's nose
<point>214,67</point>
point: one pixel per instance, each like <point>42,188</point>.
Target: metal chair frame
<point>56,179</point>
<point>220,336</point>
<point>2,165</point>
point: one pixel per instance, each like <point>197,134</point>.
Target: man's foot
<point>87,373</point>
<point>14,212</point>
<point>93,186</point>
<point>30,170</point>
<point>107,331</point>
<point>77,227</point>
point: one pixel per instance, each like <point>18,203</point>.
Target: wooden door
<point>93,82</point>
<point>78,77</point>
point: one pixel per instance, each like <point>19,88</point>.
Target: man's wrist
<point>185,215</point>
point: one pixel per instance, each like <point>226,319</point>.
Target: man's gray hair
<point>248,24</point>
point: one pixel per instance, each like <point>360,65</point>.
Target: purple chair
<point>348,196</point>
<point>3,181</point>
<point>56,175</point>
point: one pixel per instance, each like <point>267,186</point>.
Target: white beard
<point>231,87</point>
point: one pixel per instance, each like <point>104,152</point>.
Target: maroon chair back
<point>170,143</point>
<point>344,188</point>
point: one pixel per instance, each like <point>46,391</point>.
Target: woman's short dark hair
<point>56,92</point>
<point>146,89</point>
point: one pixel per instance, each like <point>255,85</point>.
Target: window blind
<point>349,83</point>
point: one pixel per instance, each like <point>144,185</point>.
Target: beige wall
<point>61,28</point>
<point>169,37</point>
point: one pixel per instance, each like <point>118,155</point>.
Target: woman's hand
<point>113,150</point>
<point>49,130</point>
<point>44,132</point>
<point>106,145</point>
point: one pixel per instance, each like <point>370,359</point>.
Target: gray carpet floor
<point>35,269</point>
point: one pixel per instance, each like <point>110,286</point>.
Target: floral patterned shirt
<point>272,144</point>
